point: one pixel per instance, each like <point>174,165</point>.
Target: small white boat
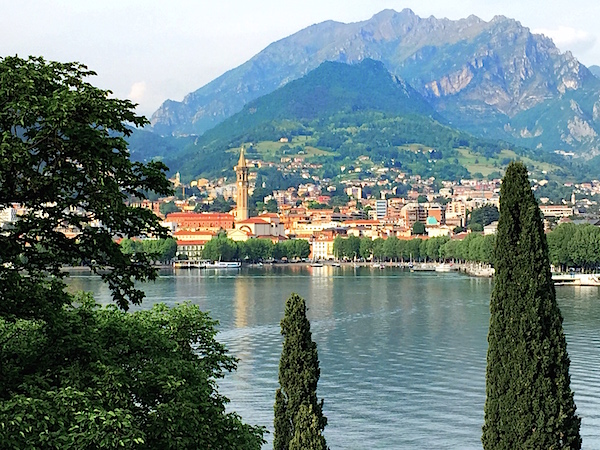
<point>224,265</point>
<point>316,264</point>
<point>444,267</point>
<point>336,264</point>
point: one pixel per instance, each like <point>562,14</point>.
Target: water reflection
<point>403,355</point>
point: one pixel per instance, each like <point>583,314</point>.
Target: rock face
<point>494,79</point>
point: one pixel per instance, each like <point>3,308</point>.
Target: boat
<point>188,264</point>
<point>444,267</point>
<point>378,266</point>
<point>336,264</point>
<point>576,279</point>
<point>316,264</point>
<point>224,265</point>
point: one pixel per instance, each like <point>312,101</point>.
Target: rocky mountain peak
<point>483,75</point>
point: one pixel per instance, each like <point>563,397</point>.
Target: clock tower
<point>241,171</point>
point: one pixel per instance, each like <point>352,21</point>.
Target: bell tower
<point>241,171</point>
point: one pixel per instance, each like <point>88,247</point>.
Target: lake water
<point>402,354</point>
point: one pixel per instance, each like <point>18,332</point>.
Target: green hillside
<point>339,114</point>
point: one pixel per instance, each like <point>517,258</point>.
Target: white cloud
<point>137,92</point>
<point>567,38</point>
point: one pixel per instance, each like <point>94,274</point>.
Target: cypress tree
<point>529,403</point>
<point>299,421</point>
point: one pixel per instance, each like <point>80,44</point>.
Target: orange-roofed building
<point>212,221</point>
<point>191,243</point>
<point>265,226</point>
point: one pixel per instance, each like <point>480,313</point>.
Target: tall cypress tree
<point>529,403</point>
<point>299,421</point>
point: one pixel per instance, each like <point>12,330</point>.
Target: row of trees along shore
<point>570,246</point>
<point>76,375</point>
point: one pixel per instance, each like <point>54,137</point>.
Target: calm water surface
<point>402,354</point>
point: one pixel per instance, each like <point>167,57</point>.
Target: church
<point>264,226</point>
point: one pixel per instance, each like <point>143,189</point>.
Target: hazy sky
<point>150,50</point>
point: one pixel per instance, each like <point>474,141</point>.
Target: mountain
<point>494,79</point>
<point>330,89</point>
<point>335,115</point>
<point>595,71</point>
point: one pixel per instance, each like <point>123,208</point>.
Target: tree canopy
<point>64,160</point>
<point>74,375</point>
<point>529,402</point>
<point>299,419</point>
<point>102,378</point>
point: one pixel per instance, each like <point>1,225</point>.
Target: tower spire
<point>241,171</point>
<point>242,161</point>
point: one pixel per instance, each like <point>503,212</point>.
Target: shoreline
<point>471,269</point>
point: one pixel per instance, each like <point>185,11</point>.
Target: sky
<point>150,50</point>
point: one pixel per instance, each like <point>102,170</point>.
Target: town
<point>306,213</point>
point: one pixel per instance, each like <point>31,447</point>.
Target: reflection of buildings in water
<point>241,345</point>
<point>321,292</point>
<point>242,302</point>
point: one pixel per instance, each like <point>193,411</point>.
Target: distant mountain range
<point>334,116</point>
<point>493,79</point>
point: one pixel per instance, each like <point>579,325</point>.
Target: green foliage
<point>418,228</point>
<point>220,248</point>
<point>484,215</point>
<point>219,204</point>
<point>299,421</point>
<point>168,207</point>
<point>74,375</point>
<point>346,247</point>
<point>255,250</point>
<point>559,245</point>
<point>64,157</point>
<point>529,402</point>
<point>162,250</point>
<point>104,378</point>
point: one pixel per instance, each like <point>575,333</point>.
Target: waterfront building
<point>191,243</point>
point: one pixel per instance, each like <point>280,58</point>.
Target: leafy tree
<point>390,247</point>
<point>255,250</point>
<point>169,207</point>
<point>484,215</point>
<point>299,421</point>
<point>475,226</point>
<point>418,228</point>
<point>529,402</point>
<point>413,249</point>
<point>64,157</point>
<point>220,248</point>
<point>584,247</point>
<point>162,250</point>
<point>72,375</point>
<point>378,248</point>
<point>366,248</point>
<point>102,378</point>
<point>271,206</point>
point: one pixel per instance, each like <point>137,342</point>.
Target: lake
<point>402,354</point>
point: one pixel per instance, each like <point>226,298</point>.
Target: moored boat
<point>224,265</point>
